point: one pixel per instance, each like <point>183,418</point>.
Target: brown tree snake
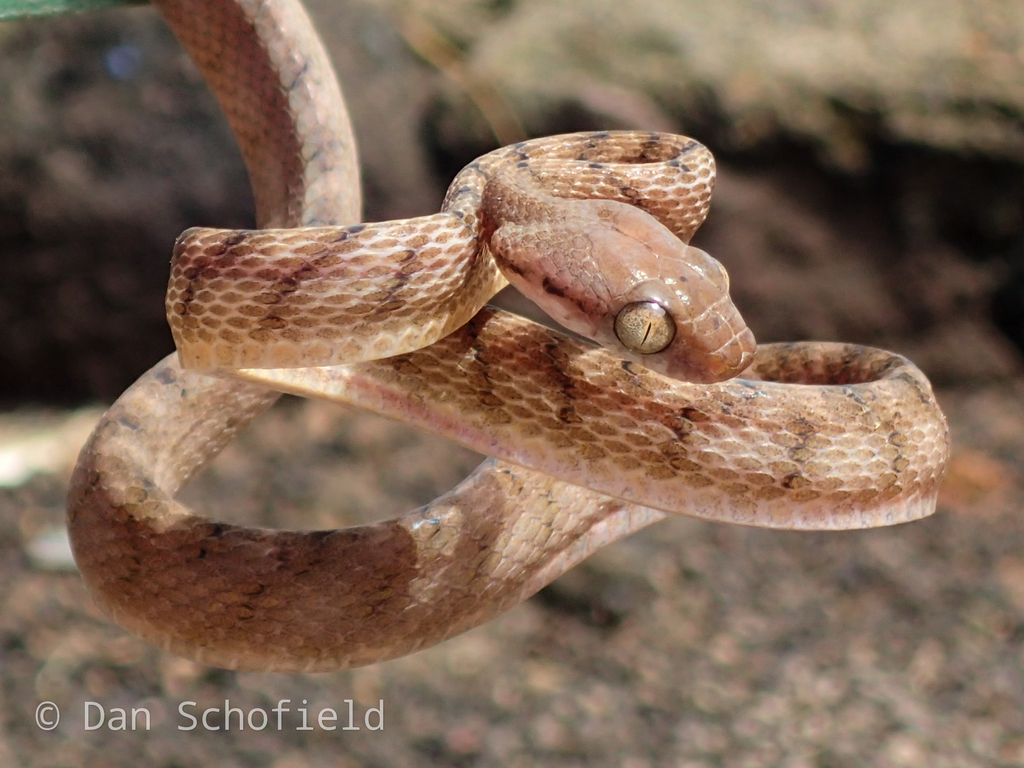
<point>588,446</point>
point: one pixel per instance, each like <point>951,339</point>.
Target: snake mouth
<point>732,359</point>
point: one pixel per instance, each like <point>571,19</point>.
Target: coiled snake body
<point>588,447</point>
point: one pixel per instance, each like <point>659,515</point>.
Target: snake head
<point>616,275</point>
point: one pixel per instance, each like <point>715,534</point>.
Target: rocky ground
<point>871,191</point>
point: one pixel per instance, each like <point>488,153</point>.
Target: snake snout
<point>729,360</point>
<point>712,350</point>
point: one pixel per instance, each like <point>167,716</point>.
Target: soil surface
<point>871,190</point>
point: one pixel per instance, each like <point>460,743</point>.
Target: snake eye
<point>644,327</point>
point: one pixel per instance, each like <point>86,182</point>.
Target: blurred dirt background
<point>872,190</point>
